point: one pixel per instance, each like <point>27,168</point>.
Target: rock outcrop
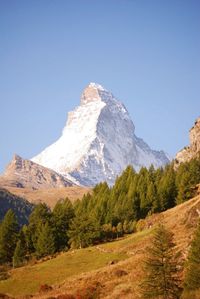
<point>193,150</point>
<point>23,173</point>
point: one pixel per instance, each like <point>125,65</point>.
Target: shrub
<point>120,273</point>
<point>3,273</point>
<point>45,288</point>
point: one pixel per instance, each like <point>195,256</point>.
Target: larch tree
<point>8,237</point>
<point>46,241</point>
<point>161,267</point>
<point>19,254</point>
<point>192,277</point>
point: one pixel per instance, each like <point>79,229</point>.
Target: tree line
<point>104,214</point>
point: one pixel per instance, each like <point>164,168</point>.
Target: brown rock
<point>23,173</point>
<point>193,150</point>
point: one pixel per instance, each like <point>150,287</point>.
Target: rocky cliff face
<point>25,173</point>
<point>193,150</point>
<point>98,141</point>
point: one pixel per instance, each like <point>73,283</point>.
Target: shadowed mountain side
<point>21,207</point>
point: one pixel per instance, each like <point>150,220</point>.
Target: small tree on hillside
<point>192,277</point>
<point>160,267</point>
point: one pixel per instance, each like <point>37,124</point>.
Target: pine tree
<point>184,187</point>
<point>188,175</point>
<point>160,267</point>
<point>40,215</point>
<point>151,196</point>
<point>192,278</point>
<point>19,254</point>
<point>46,241</point>
<point>8,237</point>
<point>62,215</point>
<point>83,231</point>
<point>119,229</point>
<point>167,189</point>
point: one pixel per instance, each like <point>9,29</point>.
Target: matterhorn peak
<point>96,86</point>
<point>95,92</point>
<point>98,141</point>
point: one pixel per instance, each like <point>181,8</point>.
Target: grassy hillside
<point>50,196</point>
<point>83,269</point>
<point>27,280</point>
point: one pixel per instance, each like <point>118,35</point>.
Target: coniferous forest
<point>104,214</point>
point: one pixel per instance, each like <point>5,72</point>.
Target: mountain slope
<point>23,173</point>
<point>50,196</point>
<point>21,207</point>
<point>98,141</point>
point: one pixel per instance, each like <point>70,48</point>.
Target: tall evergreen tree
<point>83,231</point>
<point>161,274</point>
<point>151,197</point>
<point>192,278</point>
<point>40,215</point>
<point>8,237</point>
<point>19,254</point>
<point>167,189</point>
<point>46,241</point>
<point>188,175</point>
<point>63,213</point>
<point>184,187</point>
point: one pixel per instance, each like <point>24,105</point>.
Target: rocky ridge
<point>193,150</point>
<point>23,173</point>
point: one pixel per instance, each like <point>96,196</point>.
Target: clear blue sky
<point>147,52</point>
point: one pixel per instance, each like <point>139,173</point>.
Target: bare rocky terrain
<point>23,173</point>
<point>193,150</point>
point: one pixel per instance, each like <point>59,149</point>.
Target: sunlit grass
<point>122,243</point>
<point>27,280</point>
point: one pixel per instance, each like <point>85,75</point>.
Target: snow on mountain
<point>98,141</point>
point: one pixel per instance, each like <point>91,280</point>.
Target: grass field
<point>126,243</point>
<point>27,280</point>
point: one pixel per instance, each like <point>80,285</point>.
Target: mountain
<point>21,207</point>
<point>50,196</point>
<point>23,173</point>
<point>98,141</point>
<point>193,150</point>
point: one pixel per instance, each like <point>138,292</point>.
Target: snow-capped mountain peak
<point>96,85</point>
<point>98,141</point>
<point>95,92</point>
